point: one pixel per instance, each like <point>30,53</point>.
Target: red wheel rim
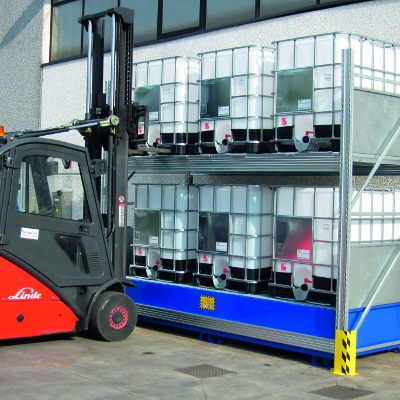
<point>118,317</point>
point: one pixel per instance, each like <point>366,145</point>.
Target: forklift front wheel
<point>113,317</point>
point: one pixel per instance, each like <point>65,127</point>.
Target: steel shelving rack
<point>366,316</point>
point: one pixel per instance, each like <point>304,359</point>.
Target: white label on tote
<point>304,104</point>
<point>239,221</point>
<point>153,240</point>
<point>153,116</point>
<point>328,77</point>
<point>303,254</point>
<point>168,218</point>
<point>222,111</point>
<point>221,246</point>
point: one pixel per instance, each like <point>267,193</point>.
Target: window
<point>96,6</point>
<point>66,31</point>
<point>158,20</point>
<point>51,187</point>
<point>226,12</point>
<point>180,15</point>
<point>273,7</point>
<point>146,14</point>
<point>73,247</point>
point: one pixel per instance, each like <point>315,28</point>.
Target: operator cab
<point>50,213</point>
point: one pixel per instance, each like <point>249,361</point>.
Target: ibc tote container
<point>306,239</point>
<point>241,258</point>
<point>236,99</point>
<point>376,216</point>
<point>172,256</point>
<point>308,84</point>
<point>170,87</point>
<point>306,233</point>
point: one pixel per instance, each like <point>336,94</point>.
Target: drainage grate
<point>341,392</point>
<point>204,371</point>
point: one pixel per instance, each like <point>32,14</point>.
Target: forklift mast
<point>125,135</point>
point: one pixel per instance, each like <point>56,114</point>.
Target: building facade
<point>42,46</point>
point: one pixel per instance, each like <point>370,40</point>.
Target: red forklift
<point>62,251</point>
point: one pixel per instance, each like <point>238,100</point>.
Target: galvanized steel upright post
<point>345,342</point>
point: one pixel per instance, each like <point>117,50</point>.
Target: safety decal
<point>207,303</point>
<point>121,209</point>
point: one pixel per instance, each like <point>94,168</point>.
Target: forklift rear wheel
<point>113,317</point>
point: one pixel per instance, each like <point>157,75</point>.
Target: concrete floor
<point>144,367</point>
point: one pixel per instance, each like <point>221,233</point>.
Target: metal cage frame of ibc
<point>327,333</point>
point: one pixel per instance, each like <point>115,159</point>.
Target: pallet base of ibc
<point>314,144</point>
<point>318,296</point>
<point>175,276</point>
<point>137,271</point>
<point>250,287</point>
<point>248,147</point>
<point>162,274</point>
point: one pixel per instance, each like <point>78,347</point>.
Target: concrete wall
<point>21,33</point>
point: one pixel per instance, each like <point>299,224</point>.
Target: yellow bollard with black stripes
<point>345,353</point>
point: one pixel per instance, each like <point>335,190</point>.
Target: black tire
<point>113,317</point>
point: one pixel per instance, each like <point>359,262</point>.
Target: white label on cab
<point>28,233</point>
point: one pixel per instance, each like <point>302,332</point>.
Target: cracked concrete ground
<point>145,367</point>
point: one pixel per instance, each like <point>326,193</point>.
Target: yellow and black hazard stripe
<point>345,353</point>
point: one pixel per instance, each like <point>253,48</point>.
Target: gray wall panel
<point>21,56</point>
<point>368,263</point>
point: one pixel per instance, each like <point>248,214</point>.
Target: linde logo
<point>26,293</point>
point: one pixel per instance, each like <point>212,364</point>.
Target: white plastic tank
<point>174,118</point>
<point>245,114</point>
<point>374,216</point>
<point>250,229</point>
<point>178,206</point>
<point>297,205</point>
<point>323,53</point>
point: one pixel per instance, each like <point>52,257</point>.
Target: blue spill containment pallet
<point>289,325</point>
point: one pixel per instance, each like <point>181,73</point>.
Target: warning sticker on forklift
<point>207,303</point>
<point>28,233</point>
<point>121,217</point>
